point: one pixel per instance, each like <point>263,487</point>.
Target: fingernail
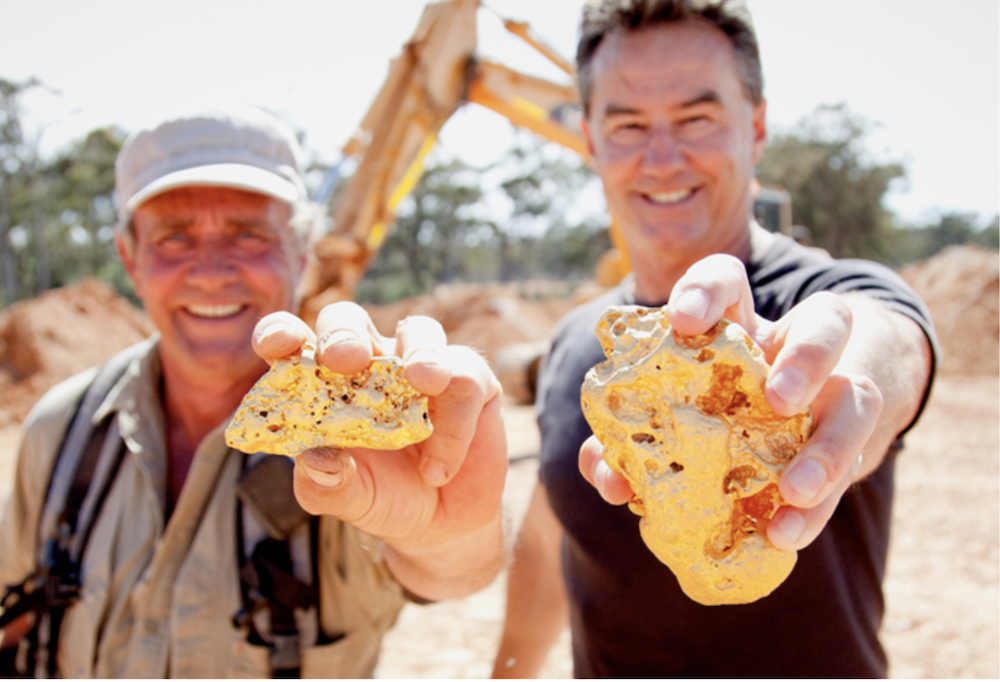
<point>424,356</point>
<point>272,329</point>
<point>339,336</point>
<point>791,524</point>
<point>807,478</point>
<point>693,303</point>
<point>434,473</point>
<point>324,479</point>
<point>791,384</point>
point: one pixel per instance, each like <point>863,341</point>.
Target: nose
<point>663,153</point>
<point>212,267</point>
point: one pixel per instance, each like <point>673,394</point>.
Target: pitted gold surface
<point>685,420</point>
<point>299,405</point>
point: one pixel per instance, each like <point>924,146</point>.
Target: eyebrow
<point>706,97</point>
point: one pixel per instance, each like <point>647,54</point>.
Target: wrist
<point>449,568</point>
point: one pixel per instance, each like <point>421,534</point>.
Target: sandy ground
<point>943,605</point>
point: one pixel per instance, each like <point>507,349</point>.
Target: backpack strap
<point>267,581</point>
<point>55,583</point>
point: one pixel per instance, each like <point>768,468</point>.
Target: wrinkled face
<point>674,139</point>
<point>208,263</point>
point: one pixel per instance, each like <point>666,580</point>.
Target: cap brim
<point>235,175</point>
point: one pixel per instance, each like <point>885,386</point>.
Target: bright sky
<point>927,72</point>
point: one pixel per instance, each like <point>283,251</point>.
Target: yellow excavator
<point>437,72</point>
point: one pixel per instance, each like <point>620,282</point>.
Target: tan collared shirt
<point>158,596</point>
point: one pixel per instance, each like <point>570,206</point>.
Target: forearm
<point>450,569</point>
<point>894,352</point>
<point>537,607</point>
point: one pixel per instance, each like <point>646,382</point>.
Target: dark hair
<point>602,17</point>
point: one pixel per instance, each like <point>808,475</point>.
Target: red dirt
<point>961,286</point>
<point>60,333</point>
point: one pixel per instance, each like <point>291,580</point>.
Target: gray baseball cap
<point>244,148</point>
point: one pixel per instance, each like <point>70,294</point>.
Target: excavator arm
<point>435,74</point>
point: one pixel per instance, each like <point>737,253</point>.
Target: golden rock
<point>684,419</point>
<point>299,405</point>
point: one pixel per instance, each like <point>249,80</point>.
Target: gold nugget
<point>299,405</point>
<point>684,419</point>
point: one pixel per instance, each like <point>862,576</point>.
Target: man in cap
<point>181,576</point>
<point>675,122</point>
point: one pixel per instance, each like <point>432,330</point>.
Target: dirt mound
<point>60,333</point>
<point>487,317</point>
<point>961,286</point>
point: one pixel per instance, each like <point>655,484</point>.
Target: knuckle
<point>868,393</point>
<point>465,388</point>
<point>834,307</point>
<point>420,321</point>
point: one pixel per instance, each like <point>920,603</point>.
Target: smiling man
<point>675,123</point>
<point>182,557</point>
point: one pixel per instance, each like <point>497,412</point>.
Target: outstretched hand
<point>436,504</point>
<point>805,349</point>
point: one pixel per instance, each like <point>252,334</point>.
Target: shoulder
<point>48,420</point>
<point>788,272</point>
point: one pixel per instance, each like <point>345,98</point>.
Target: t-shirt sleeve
<point>776,298</point>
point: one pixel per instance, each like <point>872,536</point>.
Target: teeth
<point>214,310</point>
<point>670,197</point>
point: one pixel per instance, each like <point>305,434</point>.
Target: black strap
<point>56,582</point>
<point>266,578</point>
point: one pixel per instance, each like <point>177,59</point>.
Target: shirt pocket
<point>248,661</point>
<point>350,656</point>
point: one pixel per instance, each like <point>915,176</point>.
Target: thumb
<point>327,482</point>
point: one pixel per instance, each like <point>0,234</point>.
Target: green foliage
<point>911,244</point>
<point>57,215</point>
<point>511,221</point>
<point>837,189</point>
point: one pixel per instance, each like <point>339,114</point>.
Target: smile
<point>669,197</point>
<point>214,310</point>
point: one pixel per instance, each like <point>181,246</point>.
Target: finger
<point>280,335</point>
<point>794,528</point>
<point>326,481</point>
<point>421,343</point>
<point>806,345</point>
<point>455,413</point>
<point>347,339</point>
<point>713,288</point>
<point>612,486</point>
<point>846,413</point>
<point>475,494</point>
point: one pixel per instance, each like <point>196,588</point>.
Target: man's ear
<point>587,138</point>
<point>759,131</point>
<point>125,245</point>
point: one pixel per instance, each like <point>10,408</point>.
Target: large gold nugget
<point>299,405</point>
<point>684,419</point>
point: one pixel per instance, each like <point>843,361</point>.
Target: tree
<point>56,216</point>
<point>79,185</point>
<point>518,218</point>
<point>426,243</point>
<point>920,242</point>
<point>18,160</point>
<point>837,189</point>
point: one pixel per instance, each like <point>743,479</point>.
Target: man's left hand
<point>436,504</point>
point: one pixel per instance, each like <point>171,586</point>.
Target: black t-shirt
<point>628,614</point>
